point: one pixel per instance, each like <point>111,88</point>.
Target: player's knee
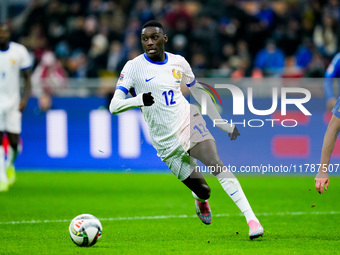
<point>204,192</point>
<point>215,161</point>
<point>14,146</point>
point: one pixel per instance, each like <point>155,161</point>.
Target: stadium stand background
<point>94,38</point>
<point>79,47</point>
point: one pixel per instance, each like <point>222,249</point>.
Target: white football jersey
<point>12,61</point>
<point>169,117</point>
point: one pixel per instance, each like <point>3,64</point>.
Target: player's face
<point>153,42</point>
<point>4,36</point>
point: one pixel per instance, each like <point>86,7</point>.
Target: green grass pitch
<point>154,214</point>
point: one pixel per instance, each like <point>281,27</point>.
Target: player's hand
<point>234,134</point>
<point>22,105</point>
<point>321,182</point>
<point>148,99</point>
<point>330,103</point>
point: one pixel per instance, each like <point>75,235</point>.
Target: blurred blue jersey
<point>332,71</point>
<point>336,108</point>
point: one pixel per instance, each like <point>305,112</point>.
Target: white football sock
<point>11,156</point>
<point>3,174</point>
<point>233,188</point>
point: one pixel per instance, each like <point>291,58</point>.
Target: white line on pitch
<point>159,217</point>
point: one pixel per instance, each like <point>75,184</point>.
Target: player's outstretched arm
<point>198,93</point>
<point>234,134</point>
<point>120,104</point>
<point>322,178</point>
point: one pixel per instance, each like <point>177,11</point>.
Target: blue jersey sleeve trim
<point>333,70</point>
<point>328,88</point>
<point>25,68</point>
<point>336,108</point>
<point>192,83</point>
<point>125,90</point>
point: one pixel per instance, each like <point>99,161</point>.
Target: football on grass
<point>85,230</point>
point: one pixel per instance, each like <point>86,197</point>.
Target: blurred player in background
<point>333,71</point>
<point>322,178</point>
<point>177,129</point>
<point>14,58</point>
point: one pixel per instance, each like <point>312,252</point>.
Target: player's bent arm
<point>120,104</point>
<point>322,178</point>
<point>331,72</point>
<point>27,89</point>
<point>198,93</point>
<point>329,140</point>
<point>328,88</point>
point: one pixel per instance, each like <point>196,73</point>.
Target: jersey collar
<point>156,62</point>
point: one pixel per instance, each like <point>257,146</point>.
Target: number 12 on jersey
<point>169,95</point>
<point>201,129</point>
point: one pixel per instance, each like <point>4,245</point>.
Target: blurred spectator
<point>242,49</point>
<point>266,15</point>
<point>49,77</point>
<point>290,40</point>
<point>96,7</point>
<point>291,69</point>
<point>180,45</point>
<point>142,11</point>
<point>242,69</point>
<point>131,43</point>
<point>206,28</point>
<point>316,67</point>
<point>178,18</point>
<point>97,56</point>
<point>199,64</point>
<point>78,39</point>
<point>270,59</point>
<point>333,9</point>
<point>196,29</point>
<point>77,65</point>
<point>115,57</point>
<point>325,36</point>
<point>54,13</point>
<point>304,54</point>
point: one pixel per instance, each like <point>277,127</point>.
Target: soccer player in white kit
<point>177,129</point>
<point>14,59</point>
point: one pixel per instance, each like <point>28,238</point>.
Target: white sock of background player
<point>3,174</point>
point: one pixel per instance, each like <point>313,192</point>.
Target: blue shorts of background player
<point>336,108</point>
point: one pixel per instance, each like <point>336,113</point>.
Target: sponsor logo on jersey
<point>147,80</point>
<point>121,77</point>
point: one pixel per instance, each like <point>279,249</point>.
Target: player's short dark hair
<point>153,23</point>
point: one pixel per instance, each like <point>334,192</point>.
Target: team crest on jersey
<point>177,75</point>
<point>13,61</point>
<point>121,77</point>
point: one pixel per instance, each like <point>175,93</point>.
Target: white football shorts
<point>179,161</point>
<point>10,121</point>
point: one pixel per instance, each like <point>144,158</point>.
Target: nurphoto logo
<point>238,99</point>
